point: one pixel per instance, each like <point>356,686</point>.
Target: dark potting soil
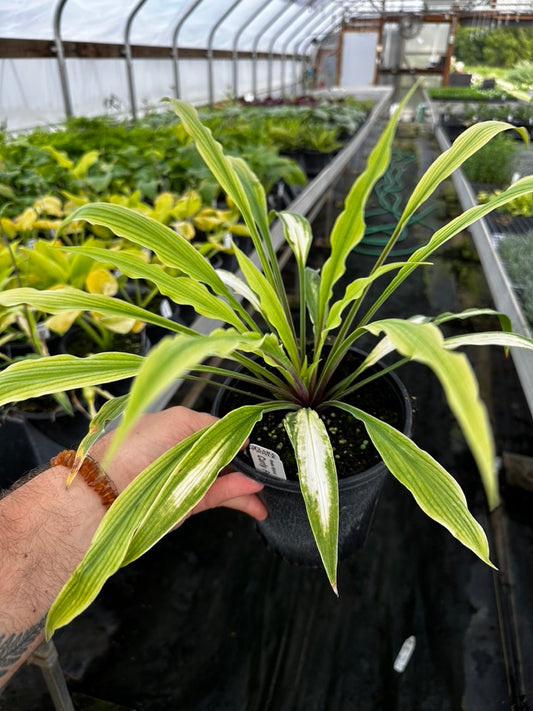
<point>353,450</point>
<point>78,343</point>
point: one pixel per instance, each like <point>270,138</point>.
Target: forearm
<point>45,529</point>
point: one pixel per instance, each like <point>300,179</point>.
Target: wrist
<point>47,529</point>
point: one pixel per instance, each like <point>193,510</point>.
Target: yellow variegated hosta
<point>49,205</point>
<point>187,205</point>
<point>61,323</point>
<point>101,281</point>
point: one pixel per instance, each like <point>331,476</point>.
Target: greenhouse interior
<point>266,355</point>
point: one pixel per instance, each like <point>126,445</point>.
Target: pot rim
<point>346,483</point>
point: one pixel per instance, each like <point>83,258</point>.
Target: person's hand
<point>153,435</point>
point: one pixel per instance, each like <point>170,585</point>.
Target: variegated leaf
<point>435,490</point>
<point>298,234</point>
<point>423,342</point>
<point>318,481</point>
<point>169,360</point>
<point>42,376</point>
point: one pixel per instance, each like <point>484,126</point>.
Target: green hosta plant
<point>295,362</point>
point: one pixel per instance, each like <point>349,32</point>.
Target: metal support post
<point>46,658</point>
<point>210,72</point>
<point>256,45</point>
<point>291,37</point>
<point>298,50</point>
<point>235,54</point>
<point>192,7</point>
<point>128,57</point>
<point>271,51</point>
<point>63,78</point>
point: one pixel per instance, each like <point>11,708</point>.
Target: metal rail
<point>273,21</point>
<point>270,52</point>
<point>299,49</point>
<point>292,36</point>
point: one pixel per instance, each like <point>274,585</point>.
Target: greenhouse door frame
<point>372,29</point>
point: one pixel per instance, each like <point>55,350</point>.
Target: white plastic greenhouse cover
<point>242,47</point>
<point>154,23</point>
<point>31,88</point>
<point>104,20</point>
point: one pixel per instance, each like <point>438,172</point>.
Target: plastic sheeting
<point>153,24</point>
<point>104,21</point>
<point>31,89</point>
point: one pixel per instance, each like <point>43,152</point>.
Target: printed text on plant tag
<point>267,461</point>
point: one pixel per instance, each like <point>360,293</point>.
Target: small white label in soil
<point>404,655</point>
<point>267,461</point>
<point>42,331</point>
<point>165,309</point>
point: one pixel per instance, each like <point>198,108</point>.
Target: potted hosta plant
<point>293,365</point>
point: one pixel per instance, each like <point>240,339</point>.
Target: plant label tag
<point>165,309</point>
<point>43,331</point>
<point>267,462</point>
<point>404,655</point>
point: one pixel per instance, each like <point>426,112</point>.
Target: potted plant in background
<point>292,366</point>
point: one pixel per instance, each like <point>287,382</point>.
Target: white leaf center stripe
<point>316,466</point>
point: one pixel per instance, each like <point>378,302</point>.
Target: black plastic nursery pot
<point>286,530</point>
<point>77,343</point>
<point>316,161</point>
<point>29,438</point>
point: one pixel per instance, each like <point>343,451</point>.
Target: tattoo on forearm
<point>14,646</point>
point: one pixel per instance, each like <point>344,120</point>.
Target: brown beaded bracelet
<point>92,474</point>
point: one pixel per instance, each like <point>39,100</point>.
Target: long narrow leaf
<point>468,143</point>
<point>110,410</point>
<point>271,308</point>
<point>349,226</point>
<point>318,481</point>
<point>111,540</point>
<point>424,343</point>
<point>171,248</point>
<point>56,301</point>
<point>386,346</point>
<point>505,321</point>
<point>521,187</point>
<point>159,498</point>
<point>353,291</point>
<point>52,374</point>
<point>256,197</point>
<point>435,490</point>
<point>169,360</point>
<point>229,178</point>
<point>180,289</point>
<point>240,287</point>
<point>298,234</point>
<point>197,470</point>
<point>490,338</point>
